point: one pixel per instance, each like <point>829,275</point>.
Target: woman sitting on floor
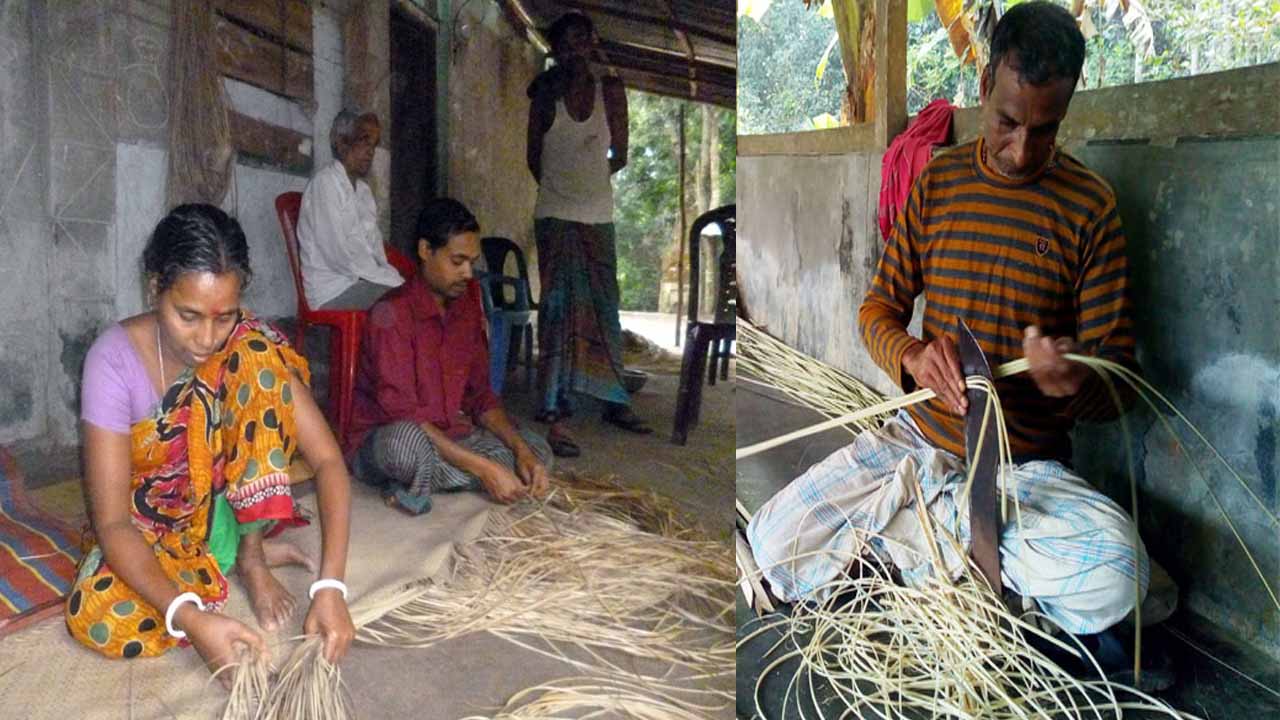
<point>192,413</point>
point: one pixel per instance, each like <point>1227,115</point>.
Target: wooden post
<point>887,108</point>
<point>848,21</point>
<point>891,70</point>
<point>367,56</point>
<point>683,232</point>
<point>444,61</point>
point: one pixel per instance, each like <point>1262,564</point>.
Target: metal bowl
<point>633,380</point>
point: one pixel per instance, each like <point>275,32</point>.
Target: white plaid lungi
<point>1073,552</point>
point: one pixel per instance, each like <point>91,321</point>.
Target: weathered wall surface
<point>366,34</point>
<point>83,137</point>
<point>100,65</point>
<point>488,120</point>
<point>1203,222</point>
<point>327,57</point>
<point>26,233</point>
<point>83,132</point>
<point>808,245</point>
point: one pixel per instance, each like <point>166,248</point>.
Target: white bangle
<point>323,583</point>
<point>186,597</point>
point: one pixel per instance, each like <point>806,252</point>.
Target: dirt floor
<point>472,674</point>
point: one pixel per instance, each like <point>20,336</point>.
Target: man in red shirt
<point>422,385</point>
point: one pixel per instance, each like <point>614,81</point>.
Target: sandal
<point>562,446</point>
<point>551,417</point>
<point>622,416</point>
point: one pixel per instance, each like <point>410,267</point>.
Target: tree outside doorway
<point>647,199</point>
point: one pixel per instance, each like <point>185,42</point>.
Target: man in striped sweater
<point>1023,243</point>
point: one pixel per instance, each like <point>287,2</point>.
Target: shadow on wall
<point>1200,219</point>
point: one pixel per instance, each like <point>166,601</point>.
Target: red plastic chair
<point>403,264</point>
<point>347,325</point>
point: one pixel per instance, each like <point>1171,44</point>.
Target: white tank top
<point>575,167</point>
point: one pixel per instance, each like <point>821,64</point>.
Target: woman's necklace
<point>160,357</point>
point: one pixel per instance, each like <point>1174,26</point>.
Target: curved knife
<point>984,523</point>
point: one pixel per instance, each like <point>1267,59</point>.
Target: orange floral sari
<point>226,426</point>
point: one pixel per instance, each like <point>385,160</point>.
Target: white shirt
<point>576,183</point>
<point>338,237</point>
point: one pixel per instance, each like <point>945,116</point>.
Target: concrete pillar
<point>25,231</point>
<point>327,56</point>
<point>367,43</point>
<point>83,64</point>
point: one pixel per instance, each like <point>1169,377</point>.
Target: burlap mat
<point>46,674</point>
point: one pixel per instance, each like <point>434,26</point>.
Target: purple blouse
<point>115,391</point>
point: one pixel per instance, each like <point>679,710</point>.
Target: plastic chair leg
<point>713,355</point>
<point>341,379</point>
<point>689,397</point>
<point>514,346</point>
<point>499,337</point>
<point>333,410</point>
<point>528,357</point>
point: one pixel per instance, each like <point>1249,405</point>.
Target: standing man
<point>423,383</point>
<point>344,264</point>
<point>577,140</point>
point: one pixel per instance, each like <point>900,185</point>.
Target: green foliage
<point>917,9</point>
<point>777,63</point>
<point>646,199</point>
<point>933,71</point>
<point>778,55</point>
<point>1190,37</point>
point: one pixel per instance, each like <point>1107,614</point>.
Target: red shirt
<point>421,363</point>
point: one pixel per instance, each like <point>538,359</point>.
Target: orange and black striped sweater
<point>1046,250</point>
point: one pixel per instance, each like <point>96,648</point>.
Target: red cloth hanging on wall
<point>907,156</point>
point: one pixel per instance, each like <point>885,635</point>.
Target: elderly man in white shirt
<point>344,265</point>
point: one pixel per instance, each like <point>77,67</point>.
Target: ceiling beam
<point>671,72</point>
<point>519,17</point>
<point>631,54</point>
<point>727,88</point>
<point>659,87</point>
<point>707,61</point>
<point>694,30</point>
<point>688,46</point>
<point>674,75</point>
<point>704,89</point>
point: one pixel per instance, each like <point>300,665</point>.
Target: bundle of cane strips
<point>763,360</point>
<point>586,697</point>
<point>304,686</point>
<point>941,649</point>
<point>889,638</point>
<point>583,578</point>
<point>593,566</point>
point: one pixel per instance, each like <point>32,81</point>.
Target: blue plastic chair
<point>504,318</point>
<point>497,254</point>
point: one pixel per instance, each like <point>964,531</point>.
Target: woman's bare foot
<point>272,604</point>
<point>279,553</point>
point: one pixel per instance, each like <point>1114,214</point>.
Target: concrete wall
<point>808,244</point>
<point>1203,220</point>
<point>366,38</point>
<point>83,137</point>
<point>83,132</point>
<point>488,121</point>
<point>26,233</point>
